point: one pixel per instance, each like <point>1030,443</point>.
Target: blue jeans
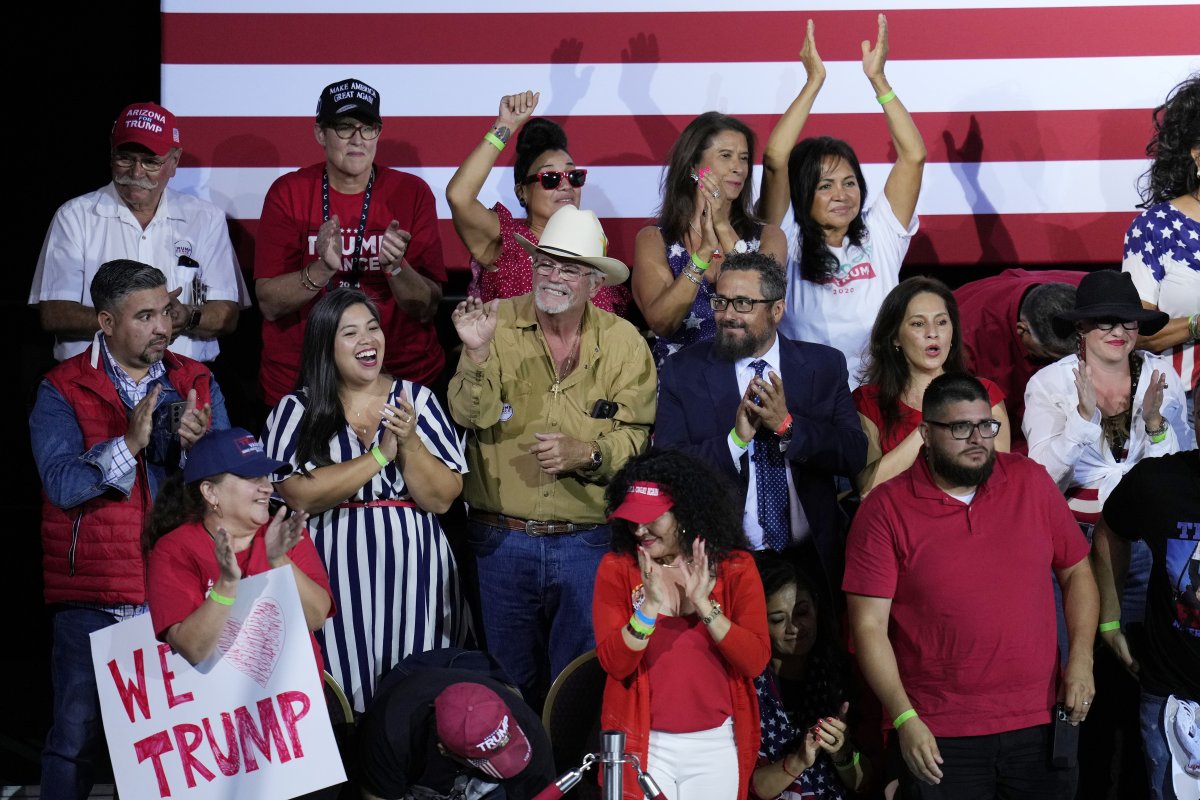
<point>536,594</point>
<point>76,734</point>
<point>1154,745</point>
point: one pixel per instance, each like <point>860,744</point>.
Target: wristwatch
<point>710,616</point>
<point>597,457</point>
<point>194,319</point>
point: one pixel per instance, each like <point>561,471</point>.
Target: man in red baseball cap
<point>454,732</point>
<point>136,217</point>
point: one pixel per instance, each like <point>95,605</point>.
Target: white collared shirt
<point>97,227</point>
<point>754,532</point>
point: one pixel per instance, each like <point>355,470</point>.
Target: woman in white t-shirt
<point>844,253</point>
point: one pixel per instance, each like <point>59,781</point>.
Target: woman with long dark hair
<point>211,527</point>
<point>916,337</point>
<point>1162,246</point>
<point>680,628</point>
<point>545,178</point>
<point>845,253</point>
<point>706,212</point>
<point>803,696</point>
<point>376,460</point>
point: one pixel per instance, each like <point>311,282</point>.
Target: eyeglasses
<point>987,428</point>
<point>742,305</point>
<point>126,160</point>
<point>552,179</point>
<point>1108,325</point>
<point>345,130</point>
<point>568,272</point>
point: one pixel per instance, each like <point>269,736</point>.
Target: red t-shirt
<point>183,567</point>
<point>987,314</point>
<point>972,622</point>
<point>866,400</point>
<point>682,646</point>
<point>286,241</point>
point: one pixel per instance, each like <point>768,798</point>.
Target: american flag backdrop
<point>1036,116</point>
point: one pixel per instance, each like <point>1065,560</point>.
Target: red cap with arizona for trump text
<point>149,125</point>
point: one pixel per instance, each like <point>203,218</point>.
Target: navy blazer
<point>697,401</point>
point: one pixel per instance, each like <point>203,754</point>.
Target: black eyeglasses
<point>987,428</point>
<point>1108,324</point>
<point>742,305</point>
<point>552,179</point>
<point>346,130</point>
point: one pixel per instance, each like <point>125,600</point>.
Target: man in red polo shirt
<point>953,613</point>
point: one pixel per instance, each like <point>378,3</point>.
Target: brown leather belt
<point>532,527</point>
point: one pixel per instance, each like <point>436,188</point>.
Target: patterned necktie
<point>770,477</point>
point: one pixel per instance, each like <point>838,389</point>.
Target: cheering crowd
<point>830,534</point>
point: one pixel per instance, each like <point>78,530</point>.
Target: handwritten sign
<point>249,722</point>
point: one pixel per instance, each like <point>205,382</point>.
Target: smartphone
<point>1064,740</point>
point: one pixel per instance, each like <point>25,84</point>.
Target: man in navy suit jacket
<point>711,404</point>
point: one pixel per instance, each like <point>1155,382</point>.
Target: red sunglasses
<point>552,179</point>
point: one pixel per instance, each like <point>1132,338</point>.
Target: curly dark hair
<point>805,164</point>
<point>705,505</point>
<point>678,188</point>
<point>886,366</point>
<point>539,135</point>
<point>823,689</point>
<point>1172,172</point>
<point>176,503</point>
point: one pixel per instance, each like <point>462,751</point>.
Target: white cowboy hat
<point>574,235</point>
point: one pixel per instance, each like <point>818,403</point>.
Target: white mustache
<point>140,183</point>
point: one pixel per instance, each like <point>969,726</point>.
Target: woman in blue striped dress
<point>376,460</point>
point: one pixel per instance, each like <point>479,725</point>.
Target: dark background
<point>74,72</point>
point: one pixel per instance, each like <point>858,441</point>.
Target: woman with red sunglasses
<point>545,179</point>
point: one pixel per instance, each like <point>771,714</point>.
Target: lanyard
<point>362,221</point>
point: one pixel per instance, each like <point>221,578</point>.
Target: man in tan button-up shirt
<point>557,395</point>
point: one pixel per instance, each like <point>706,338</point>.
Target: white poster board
<point>249,722</point>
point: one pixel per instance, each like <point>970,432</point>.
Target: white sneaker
<point>1188,735</point>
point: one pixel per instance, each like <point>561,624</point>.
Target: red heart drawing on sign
<point>253,647</point>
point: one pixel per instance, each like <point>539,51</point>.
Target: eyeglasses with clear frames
<point>150,164</point>
<point>742,305</point>
<point>962,429</point>
<point>345,130</point>
<point>568,272</point>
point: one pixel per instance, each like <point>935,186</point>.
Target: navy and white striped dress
<point>394,578</point>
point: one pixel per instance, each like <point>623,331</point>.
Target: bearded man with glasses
<point>953,619</point>
<point>349,222</point>
<point>772,414</point>
<point>138,217</point>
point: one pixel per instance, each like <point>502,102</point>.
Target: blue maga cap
<point>236,451</point>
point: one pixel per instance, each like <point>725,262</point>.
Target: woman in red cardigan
<point>681,629</point>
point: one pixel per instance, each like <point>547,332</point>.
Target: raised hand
<point>475,322</point>
<point>515,111</point>
<point>746,419</point>
<point>401,420</point>
<point>810,59</point>
<point>772,399</point>
<point>875,58</point>
<point>329,243</point>
<point>194,422</point>
<point>652,582</point>
<point>714,200</point>
<point>141,421</point>
<point>226,559</point>
<point>698,581</point>
<point>283,533</point>
<point>1085,390</point>
<point>1152,402</point>
<point>393,245</point>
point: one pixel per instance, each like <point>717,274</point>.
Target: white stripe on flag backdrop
<point>1036,116</point>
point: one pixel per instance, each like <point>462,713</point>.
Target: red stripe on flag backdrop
<point>512,38</point>
<point>645,140</point>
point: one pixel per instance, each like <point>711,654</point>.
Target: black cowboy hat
<point>1109,295</point>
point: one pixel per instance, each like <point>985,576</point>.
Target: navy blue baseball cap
<point>236,451</point>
